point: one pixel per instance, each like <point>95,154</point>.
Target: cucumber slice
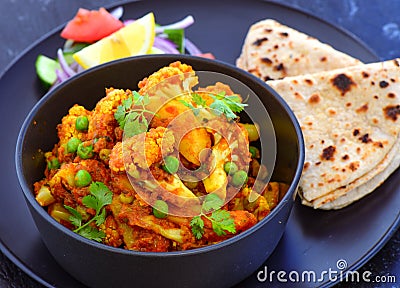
<point>45,69</point>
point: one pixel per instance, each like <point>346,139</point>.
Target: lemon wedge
<point>136,38</point>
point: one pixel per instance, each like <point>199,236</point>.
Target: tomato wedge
<point>91,25</point>
<point>206,55</point>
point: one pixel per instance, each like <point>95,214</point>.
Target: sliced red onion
<point>165,45</point>
<point>191,47</point>
<point>64,65</point>
<point>117,12</point>
<point>61,76</point>
<point>182,24</point>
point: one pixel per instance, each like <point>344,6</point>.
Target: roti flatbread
<point>350,118</point>
<point>272,50</point>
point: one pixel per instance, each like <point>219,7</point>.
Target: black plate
<point>313,241</point>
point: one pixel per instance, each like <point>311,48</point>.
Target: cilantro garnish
<point>99,197</point>
<point>222,104</point>
<point>133,121</point>
<point>221,220</point>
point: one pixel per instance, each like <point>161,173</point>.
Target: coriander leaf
<point>189,105</point>
<point>197,225</point>
<point>133,126</point>
<point>233,102</point>
<point>222,221</point>
<point>100,218</point>
<point>92,233</point>
<point>127,103</point>
<point>119,115</point>
<point>199,100</point>
<point>212,202</point>
<point>136,97</point>
<point>100,196</point>
<point>76,217</point>
<point>222,108</point>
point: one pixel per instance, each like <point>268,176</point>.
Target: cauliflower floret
<point>102,122</point>
<point>173,69</point>
<point>142,150</point>
<point>66,130</point>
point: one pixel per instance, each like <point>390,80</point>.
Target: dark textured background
<point>375,22</point>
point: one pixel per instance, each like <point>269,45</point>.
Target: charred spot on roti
<point>297,95</point>
<point>267,78</point>
<point>376,97</point>
<point>365,74</point>
<point>365,138</point>
<point>373,83</point>
<point>353,166</point>
<point>268,30</point>
<point>356,132</point>
<point>328,152</point>
<point>311,146</point>
<point>383,84</point>
<point>378,144</point>
<point>391,95</point>
<point>342,140</point>
<point>343,83</point>
<point>279,67</point>
<point>308,82</point>
<point>362,109</point>
<point>255,71</point>
<point>276,46</point>
<point>358,150</point>
<point>322,141</point>
<point>348,104</point>
<point>392,112</point>
<point>314,99</point>
<point>323,59</point>
<point>392,80</point>
<point>345,157</point>
<point>260,41</point>
<point>320,184</point>
<point>375,120</point>
<point>331,112</point>
<point>294,81</point>
<point>309,123</point>
<point>306,165</point>
<point>266,60</point>
<point>318,163</point>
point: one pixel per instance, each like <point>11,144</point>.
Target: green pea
<point>230,168</point>
<point>160,209</point>
<point>171,164</point>
<point>85,151</point>
<point>125,199</point>
<point>81,123</point>
<point>104,154</point>
<point>72,145</point>
<point>82,178</point>
<point>239,178</point>
<point>53,163</point>
<point>255,153</point>
<point>252,132</point>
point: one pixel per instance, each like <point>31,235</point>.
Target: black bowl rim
<point>173,57</point>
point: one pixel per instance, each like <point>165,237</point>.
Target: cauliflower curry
<point>101,177</point>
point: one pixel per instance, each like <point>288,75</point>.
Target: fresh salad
<point>94,37</point>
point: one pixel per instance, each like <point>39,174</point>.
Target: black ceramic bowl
<point>97,265</point>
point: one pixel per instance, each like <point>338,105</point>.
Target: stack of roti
<point>272,50</point>
<point>350,118</point>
